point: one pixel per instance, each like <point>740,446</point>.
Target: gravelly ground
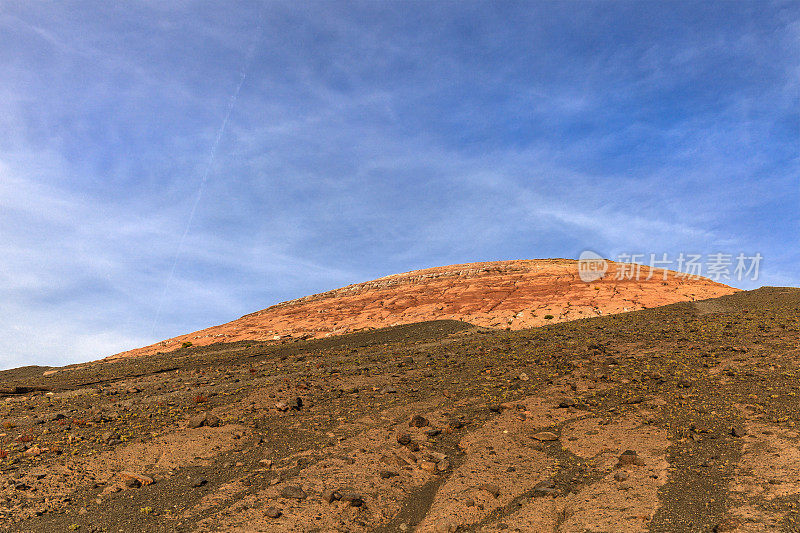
<point>680,418</point>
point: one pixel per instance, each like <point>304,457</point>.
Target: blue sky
<point>364,139</point>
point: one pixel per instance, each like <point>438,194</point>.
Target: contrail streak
<point>206,172</point>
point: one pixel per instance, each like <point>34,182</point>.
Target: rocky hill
<point>501,294</point>
<point>676,419</point>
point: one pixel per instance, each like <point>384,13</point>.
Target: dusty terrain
<point>501,294</point>
<point>672,419</point>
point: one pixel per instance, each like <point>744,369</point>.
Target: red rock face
<point>501,294</point>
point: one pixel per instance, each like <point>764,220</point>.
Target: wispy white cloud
<point>367,140</point>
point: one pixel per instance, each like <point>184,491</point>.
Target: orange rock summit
<point>499,294</point>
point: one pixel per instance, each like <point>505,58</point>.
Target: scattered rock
<point>566,402</point>
<point>629,457</point>
<point>331,496</point>
<point>428,466</point>
<point>33,451</point>
<point>387,474</point>
<point>204,419</point>
<point>295,492</point>
<point>455,423</point>
<point>199,482</point>
<point>295,404</point>
<point>418,421</point>
<point>545,436</point>
<point>141,479</point>
<point>273,512</point>
<point>545,488</point>
<point>355,499</point>
<point>738,431</point>
<point>492,489</point>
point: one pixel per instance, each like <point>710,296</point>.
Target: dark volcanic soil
<point>679,418</point>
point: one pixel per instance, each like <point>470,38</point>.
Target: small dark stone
<point>386,474</point>
<point>494,490</point>
<point>404,439</point>
<point>331,496</point>
<point>355,499</point>
<point>455,423</point>
<point>629,457</point>
<point>738,431</point>
<point>273,512</point>
<point>545,488</point>
<point>295,404</point>
<point>293,492</point>
<point>567,402</point>
<point>418,421</point>
<point>199,482</point>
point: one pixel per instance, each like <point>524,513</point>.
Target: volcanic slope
<point>680,418</point>
<point>502,294</point>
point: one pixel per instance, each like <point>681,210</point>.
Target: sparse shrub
<point>186,344</point>
<point>24,438</point>
<point>252,370</point>
<point>3,453</point>
<point>8,425</point>
<point>200,399</point>
<point>548,317</point>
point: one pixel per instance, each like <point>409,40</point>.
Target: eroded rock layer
<point>501,294</point>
